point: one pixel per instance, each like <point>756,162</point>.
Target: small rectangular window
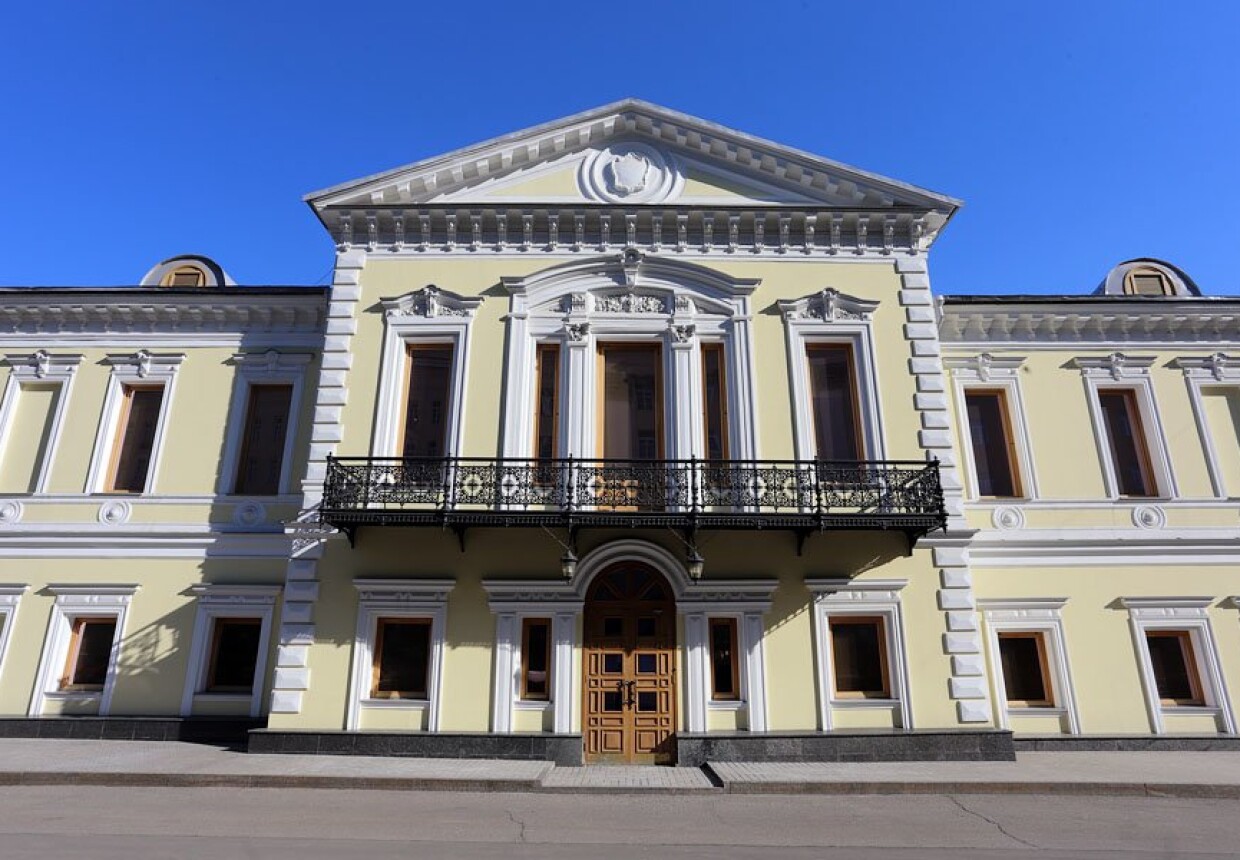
<point>262,445</point>
<point>536,659</point>
<point>859,657</point>
<point>1026,676</point>
<point>994,445</point>
<point>833,394</point>
<point>724,663</point>
<point>137,428</point>
<point>714,402</point>
<point>1130,454</point>
<point>90,654</point>
<point>547,416</point>
<point>234,655</point>
<point>1175,667</point>
<point>401,658</point>
<point>428,390</point>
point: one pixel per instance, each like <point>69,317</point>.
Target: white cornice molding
<point>403,590</point>
<point>984,366</point>
<point>828,305</point>
<point>753,230</point>
<point>825,586</point>
<point>1158,606</point>
<point>430,302</point>
<point>1023,604</point>
<point>116,313</point>
<point>100,591</point>
<point>1220,367</point>
<point>1105,322</point>
<point>1117,366</point>
<point>271,361</point>
<point>236,595</point>
<point>631,268</point>
<point>41,366</point>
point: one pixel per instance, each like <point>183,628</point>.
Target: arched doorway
<point>629,712</point>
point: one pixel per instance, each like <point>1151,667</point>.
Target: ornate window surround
<point>37,369</point>
<point>397,598</point>
<point>10,597</point>
<point>139,368</point>
<point>1180,613</point>
<point>512,601</point>
<point>1031,615</point>
<point>639,298</point>
<point>1214,371</point>
<point>427,315</point>
<point>1001,372</point>
<point>73,601</point>
<point>271,367</point>
<point>832,317</point>
<point>1118,370</point>
<point>835,597</point>
<point>228,601</point>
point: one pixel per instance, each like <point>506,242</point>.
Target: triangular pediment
<point>630,153</point>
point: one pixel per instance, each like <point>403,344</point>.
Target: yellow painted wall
<point>1222,417</point>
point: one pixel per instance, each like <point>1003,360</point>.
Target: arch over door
<point>629,712</point>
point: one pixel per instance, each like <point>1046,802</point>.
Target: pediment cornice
<point>827,306</point>
<point>1103,322</point>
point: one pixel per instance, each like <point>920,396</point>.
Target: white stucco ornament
<point>630,173</point>
<point>115,513</point>
<point>11,512</point>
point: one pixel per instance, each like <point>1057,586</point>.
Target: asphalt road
<point>274,824</point>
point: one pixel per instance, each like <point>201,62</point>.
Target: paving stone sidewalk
<point>174,764</point>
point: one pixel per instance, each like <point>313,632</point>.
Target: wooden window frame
<point>218,621</point>
<point>244,449</point>
<point>1140,437</point>
<point>376,659</point>
<point>449,406</point>
<point>66,684</point>
<point>660,429</point>
<point>879,621</point>
<point>526,624</point>
<point>122,430</point>
<point>168,280</point>
<point>733,634</point>
<point>725,417</point>
<point>854,393</point>
<point>1188,651</point>
<point>1009,440</point>
<point>1130,282</point>
<point>542,350</point>
<point>1043,666</point>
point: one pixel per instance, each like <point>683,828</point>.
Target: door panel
<point>630,668</point>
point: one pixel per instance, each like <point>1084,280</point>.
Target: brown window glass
<point>724,668</point>
<point>833,396</point>
<point>262,446</point>
<point>1175,667</point>
<point>234,655</point>
<point>90,652</point>
<point>714,402</point>
<point>994,447</point>
<point>1025,674</point>
<point>547,417</point>
<point>1147,284</point>
<point>1126,439</point>
<point>859,657</point>
<point>187,278</point>
<point>632,422</point>
<point>401,659</point>
<point>138,424</point>
<point>427,403</point>
<point>536,659</point>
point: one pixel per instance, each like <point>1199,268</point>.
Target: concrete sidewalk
<point>173,764</point>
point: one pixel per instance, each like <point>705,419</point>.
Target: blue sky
<point>1077,134</point>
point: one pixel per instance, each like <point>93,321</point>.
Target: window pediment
<point>828,305</point>
<point>430,302</point>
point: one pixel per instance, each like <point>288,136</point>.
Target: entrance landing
<point>620,778</point>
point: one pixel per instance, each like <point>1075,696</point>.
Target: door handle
<point>632,697</point>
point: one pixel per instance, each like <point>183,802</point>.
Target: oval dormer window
<point>185,276</point>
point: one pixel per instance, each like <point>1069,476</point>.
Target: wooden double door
<point>630,667</point>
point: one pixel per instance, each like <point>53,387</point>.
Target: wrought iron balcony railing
<point>461,492</point>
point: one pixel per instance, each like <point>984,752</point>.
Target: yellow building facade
<point>626,438</point>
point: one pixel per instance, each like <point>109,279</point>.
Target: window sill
<point>223,697</point>
<point>395,704</point>
<point>1190,711</point>
<point>74,695</point>
<point>1036,711</point>
<point>532,705</point>
<point>725,704</point>
<point>861,704</point>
